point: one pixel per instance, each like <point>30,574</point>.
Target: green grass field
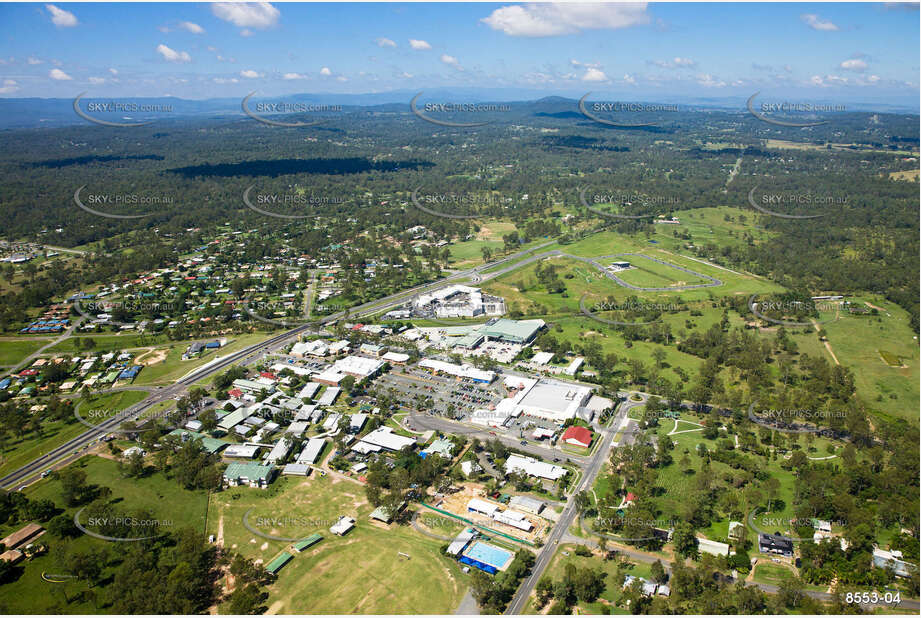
<point>359,573</point>
<point>12,352</point>
<point>30,594</point>
<point>31,446</point>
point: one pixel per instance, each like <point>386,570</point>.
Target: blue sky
<point>845,51</point>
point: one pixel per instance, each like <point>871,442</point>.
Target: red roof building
<point>236,393</point>
<point>578,435</point>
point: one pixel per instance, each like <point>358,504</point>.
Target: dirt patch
<point>153,357</point>
<point>275,607</point>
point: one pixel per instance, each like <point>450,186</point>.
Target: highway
<point>74,448</point>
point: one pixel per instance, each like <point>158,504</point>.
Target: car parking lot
<point>411,384</point>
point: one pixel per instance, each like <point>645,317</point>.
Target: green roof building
<point>275,565</point>
<point>251,474</point>
<point>513,331</point>
<point>313,539</point>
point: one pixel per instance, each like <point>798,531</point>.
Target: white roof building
<point>459,371</point>
<point>384,437</point>
<point>247,451</point>
<point>482,506</point>
<point>343,525</point>
<point>542,358</point>
<point>311,451</point>
<point>533,467</point>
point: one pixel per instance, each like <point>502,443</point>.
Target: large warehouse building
<point>457,301</point>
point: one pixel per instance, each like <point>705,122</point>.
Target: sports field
<point>362,572</point>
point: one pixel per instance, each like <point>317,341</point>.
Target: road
<point>74,448</point>
<point>569,514</point>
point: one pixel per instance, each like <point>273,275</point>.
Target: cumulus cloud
<point>325,71</point>
<point>96,81</point>
<point>33,61</point>
<point>61,18</point>
<point>9,86</point>
<point>250,74</point>
<point>539,20</point>
<point>59,75</point>
<point>451,61</point>
<point>291,76</point>
<point>191,27</point>
<point>594,75</point>
<point>113,71</point>
<point>710,81</point>
<point>225,80</point>
<point>384,42</point>
<point>854,64</point>
<point>258,15</point>
<point>813,21</point>
<point>171,55</point>
<point>419,44</point>
<point>629,78</point>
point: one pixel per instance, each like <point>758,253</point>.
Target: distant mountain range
<point>17,113</point>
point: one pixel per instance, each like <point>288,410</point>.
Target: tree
<point>248,600</point>
<point>684,541</point>
<point>73,485</point>
<point>657,570</point>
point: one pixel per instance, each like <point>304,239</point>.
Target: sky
<point>658,51</point>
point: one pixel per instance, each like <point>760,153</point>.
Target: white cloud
<point>325,71</point>
<point>9,86</point>
<point>813,21</point>
<point>384,42</point>
<point>854,64</point>
<point>33,61</point>
<point>113,71</point>
<point>451,61</point>
<point>61,18</point>
<point>816,80</point>
<point>419,44</point>
<point>709,81</point>
<point>259,15</point>
<point>291,76</point>
<point>675,63</point>
<point>342,78</point>
<point>537,20</point>
<point>246,32</point>
<point>629,78</point>
<point>594,75</point>
<point>224,80</point>
<point>405,75</point>
<point>873,79</point>
<point>171,55</point>
<point>191,27</point>
<point>250,74</point>
<point>59,75</point>
<point>96,81</point>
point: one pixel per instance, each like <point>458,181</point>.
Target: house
<point>243,451</point>
<point>469,467</point>
<point>444,448</point>
<point>342,526</point>
<point>775,544</point>
<point>533,467</point>
<point>252,474</point>
<point>527,504</point>
<point>714,548</point>
<point>892,560</point>
<point>578,436</point>
<point>385,438</point>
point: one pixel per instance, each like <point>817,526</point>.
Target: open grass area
<point>106,343</point>
<point>12,351</point>
<point>18,452</point>
<point>173,367</point>
<point>359,573</point>
<point>30,594</point>
<point>649,273</point>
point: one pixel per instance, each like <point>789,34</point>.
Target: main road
<point>569,514</point>
<point>74,448</point>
